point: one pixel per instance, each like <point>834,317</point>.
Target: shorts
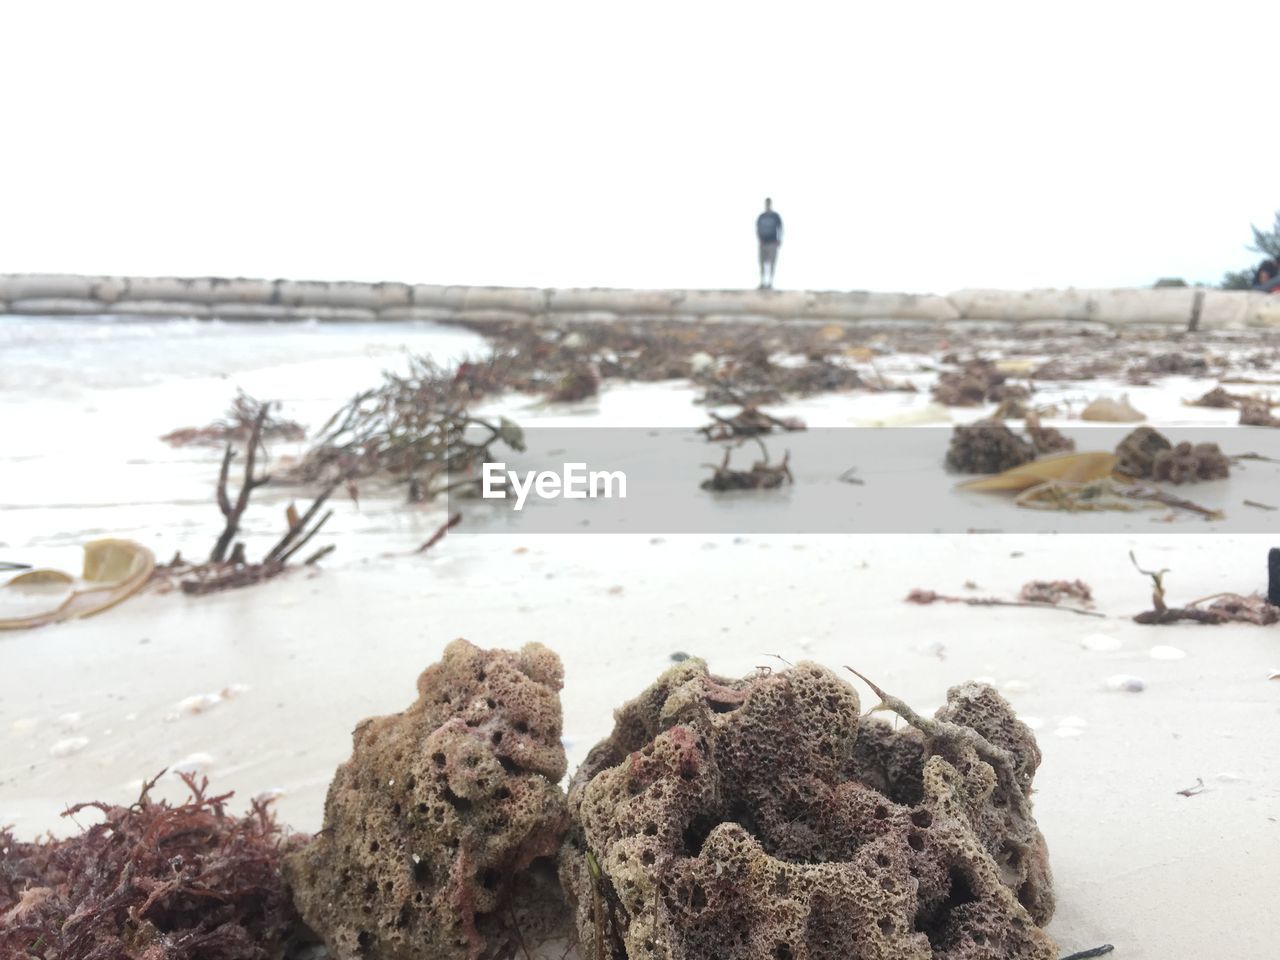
<point>768,254</point>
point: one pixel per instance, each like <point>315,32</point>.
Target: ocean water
<point>84,402</point>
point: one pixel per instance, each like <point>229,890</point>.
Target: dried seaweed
<point>415,428</point>
<point>926,597</point>
<point>750,421</point>
<point>152,882</point>
<point>1057,591</point>
<point>237,426</point>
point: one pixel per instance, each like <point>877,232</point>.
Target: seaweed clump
<point>765,817</point>
<point>441,830</point>
<point>152,881</point>
<point>987,446</point>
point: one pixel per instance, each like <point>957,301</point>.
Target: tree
<point>1265,242</point>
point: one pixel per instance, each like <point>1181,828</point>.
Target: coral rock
<point>987,446</point>
<point>765,818</point>
<point>441,830</point>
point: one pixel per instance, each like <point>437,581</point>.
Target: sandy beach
<point>261,687</point>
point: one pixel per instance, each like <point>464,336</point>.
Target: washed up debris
<point>718,808</point>
<point>113,571</point>
<point>926,597</point>
<point>1273,576</point>
<point>228,566</point>
<point>578,384</point>
<point>976,383</point>
<point>763,475</point>
<point>1195,790</point>
<point>987,446</point>
<point>1110,410</point>
<point>750,421</point>
<point>1222,607</point>
<point>152,881</point>
<point>441,831</point>
<point>1069,467</point>
<point>1125,683</point>
<point>1168,364</point>
<point>1057,591</point>
<point>1257,413</point>
<point>1219,398</point>
<point>238,426</point>
<point>415,428</point>
<point>1046,440</point>
<point>1147,454</point>
<point>1091,953</point>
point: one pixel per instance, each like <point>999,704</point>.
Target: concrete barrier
<point>256,299</point>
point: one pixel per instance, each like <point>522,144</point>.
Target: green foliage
<point>1265,242</point>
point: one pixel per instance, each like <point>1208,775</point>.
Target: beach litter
<point>113,571</point>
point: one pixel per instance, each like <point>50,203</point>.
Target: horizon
<point>929,154</point>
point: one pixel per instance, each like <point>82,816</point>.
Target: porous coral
<point>1147,454</point>
<point>151,881</point>
<point>977,382</point>
<point>765,818</point>
<point>987,446</point>
<point>441,830</point>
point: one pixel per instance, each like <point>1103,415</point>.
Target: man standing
<point>769,233</point>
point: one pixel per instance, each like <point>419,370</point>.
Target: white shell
<point>1125,682</point>
<point>1162,652</point>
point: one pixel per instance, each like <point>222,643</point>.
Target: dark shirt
<point>769,227</point>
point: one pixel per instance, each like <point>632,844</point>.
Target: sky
<point>912,146</point>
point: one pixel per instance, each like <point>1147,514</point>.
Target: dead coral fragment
<point>1147,454</point>
<point>151,882</point>
<point>987,446</point>
<point>764,817</point>
<point>440,831</point>
<point>1257,413</point>
<point>977,382</point>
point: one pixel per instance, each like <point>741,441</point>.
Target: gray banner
<point>848,480</point>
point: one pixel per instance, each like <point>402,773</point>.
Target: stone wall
<point>241,299</point>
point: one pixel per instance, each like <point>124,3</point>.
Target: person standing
<point>769,233</point>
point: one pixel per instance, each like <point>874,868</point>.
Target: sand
<point>261,687</point>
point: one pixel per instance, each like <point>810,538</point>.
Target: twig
<point>283,549</point>
<point>1260,506</point>
<point>436,537</point>
<point>320,554</point>
<point>1101,951</point>
<point>1001,761</point>
<point>234,513</point>
<point>1192,791</point>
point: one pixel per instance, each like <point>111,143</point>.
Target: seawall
<point>240,299</point>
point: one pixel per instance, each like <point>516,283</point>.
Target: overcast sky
<point>923,147</point>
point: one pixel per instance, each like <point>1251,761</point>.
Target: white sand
<point>1158,874</point>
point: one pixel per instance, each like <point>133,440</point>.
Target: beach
<point>1147,798</point>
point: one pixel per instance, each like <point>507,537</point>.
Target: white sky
<point>907,146</point>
